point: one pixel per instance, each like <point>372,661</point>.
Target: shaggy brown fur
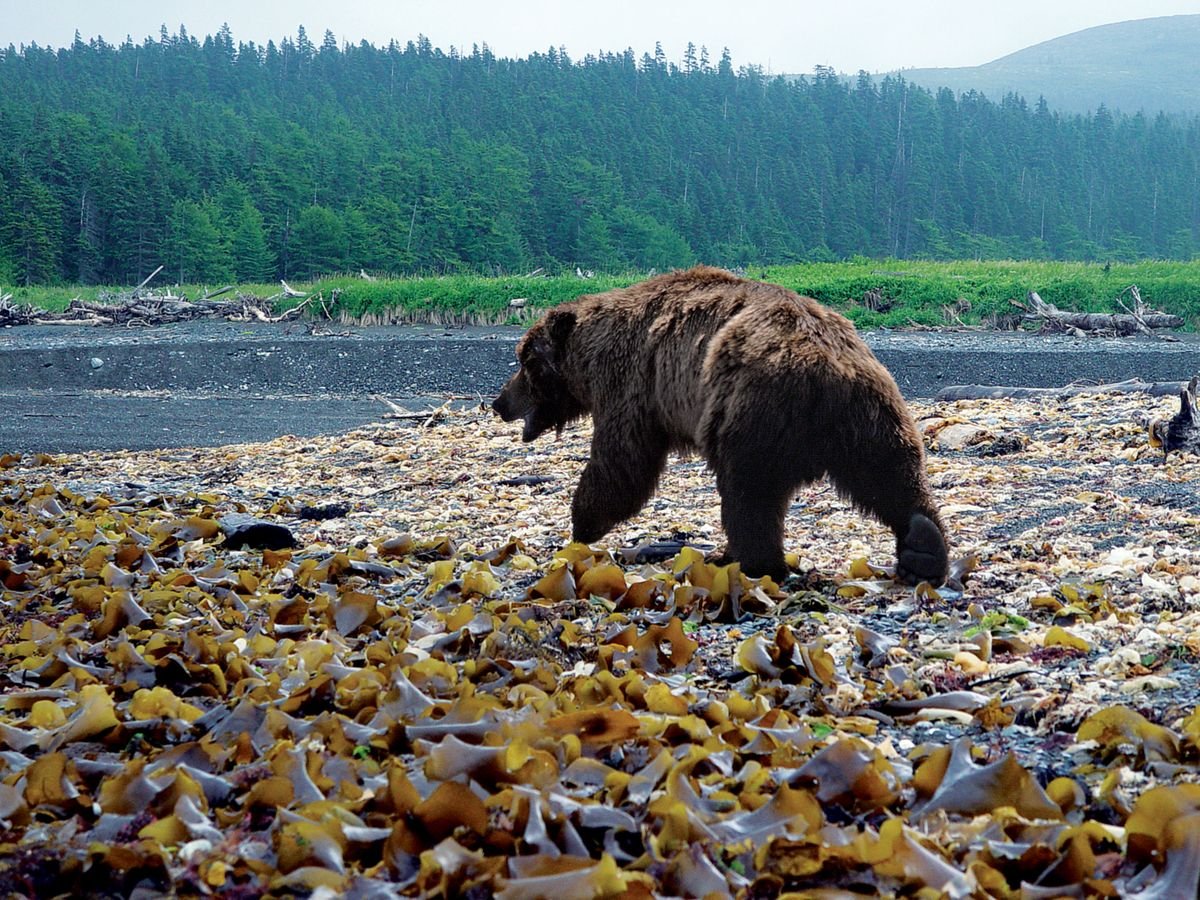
<point>774,389</point>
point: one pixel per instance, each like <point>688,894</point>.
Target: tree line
<point>237,161</point>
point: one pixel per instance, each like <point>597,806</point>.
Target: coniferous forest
<point>226,160</point>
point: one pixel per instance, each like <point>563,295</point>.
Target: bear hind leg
<point>891,486</point>
<point>753,509</point>
<point>921,553</point>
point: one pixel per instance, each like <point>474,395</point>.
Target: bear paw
<point>921,553</point>
<point>770,565</point>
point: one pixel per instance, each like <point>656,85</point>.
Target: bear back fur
<point>688,348</point>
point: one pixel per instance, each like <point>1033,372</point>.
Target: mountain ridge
<point>1148,65</point>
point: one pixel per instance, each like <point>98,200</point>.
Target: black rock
<point>526,480</point>
<point>242,530</point>
<point>324,511</point>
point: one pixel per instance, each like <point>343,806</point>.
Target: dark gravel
<point>66,388</point>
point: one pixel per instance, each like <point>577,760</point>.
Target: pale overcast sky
<point>785,36</point>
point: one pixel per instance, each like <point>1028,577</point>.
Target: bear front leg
<point>618,480</point>
<point>753,509</point>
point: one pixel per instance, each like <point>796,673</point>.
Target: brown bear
<point>772,388</point>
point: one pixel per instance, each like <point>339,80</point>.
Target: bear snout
<point>514,401</point>
<point>500,407</point>
<point>509,405</point>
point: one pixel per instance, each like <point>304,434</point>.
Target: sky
<point>782,36</point>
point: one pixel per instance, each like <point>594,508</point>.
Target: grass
<point>921,292</point>
<point>457,299</point>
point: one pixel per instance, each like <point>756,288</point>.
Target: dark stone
<point>526,480</point>
<point>324,511</point>
<point>657,551</point>
<point>1009,442</point>
<point>242,530</point>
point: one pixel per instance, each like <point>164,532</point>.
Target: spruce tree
<point>249,253</point>
<point>318,244</point>
<point>197,254</point>
<point>31,231</point>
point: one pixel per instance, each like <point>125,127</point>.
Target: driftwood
<point>527,480</point>
<point>1181,432</point>
<point>145,281</point>
<point>142,307</point>
<point>874,300</point>
<point>289,291</point>
<point>1136,320</point>
<point>396,411</point>
<point>999,392</point>
<point>427,417</point>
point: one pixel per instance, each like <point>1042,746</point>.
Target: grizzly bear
<point>772,388</point>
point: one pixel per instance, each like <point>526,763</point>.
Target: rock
<point>960,435</point>
<point>242,530</point>
<point>1004,444</point>
<point>657,551</point>
<point>526,480</point>
<point>930,425</point>
<point>97,362</point>
<point>325,511</point>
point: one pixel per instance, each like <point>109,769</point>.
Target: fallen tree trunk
<point>146,281</point>
<point>1139,319</point>
<point>143,308</point>
<point>1000,392</point>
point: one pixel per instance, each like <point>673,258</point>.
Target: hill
<point>227,161</point>
<point>1149,65</point>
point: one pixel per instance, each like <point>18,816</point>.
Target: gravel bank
<point>211,383</point>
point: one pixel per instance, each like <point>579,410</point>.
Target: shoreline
<point>79,388</point>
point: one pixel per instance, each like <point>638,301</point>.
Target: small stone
<point>97,362</point>
<point>242,530</point>
<point>327,511</point>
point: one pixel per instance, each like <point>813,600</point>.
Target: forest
<point>225,160</point>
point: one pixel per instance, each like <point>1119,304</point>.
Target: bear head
<point>538,392</point>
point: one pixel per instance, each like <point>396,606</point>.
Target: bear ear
<point>547,340</point>
<point>560,323</point>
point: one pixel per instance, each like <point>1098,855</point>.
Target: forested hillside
<point>226,160</point>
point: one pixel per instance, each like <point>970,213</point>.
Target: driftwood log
<point>998,392</point>
<point>142,307</point>
<point>1181,432</point>
<point>1137,319</point>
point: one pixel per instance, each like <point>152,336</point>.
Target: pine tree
<point>30,231</point>
<point>8,271</point>
<point>423,160</point>
<point>197,254</point>
<point>594,245</point>
<point>252,259</point>
<point>318,243</point>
